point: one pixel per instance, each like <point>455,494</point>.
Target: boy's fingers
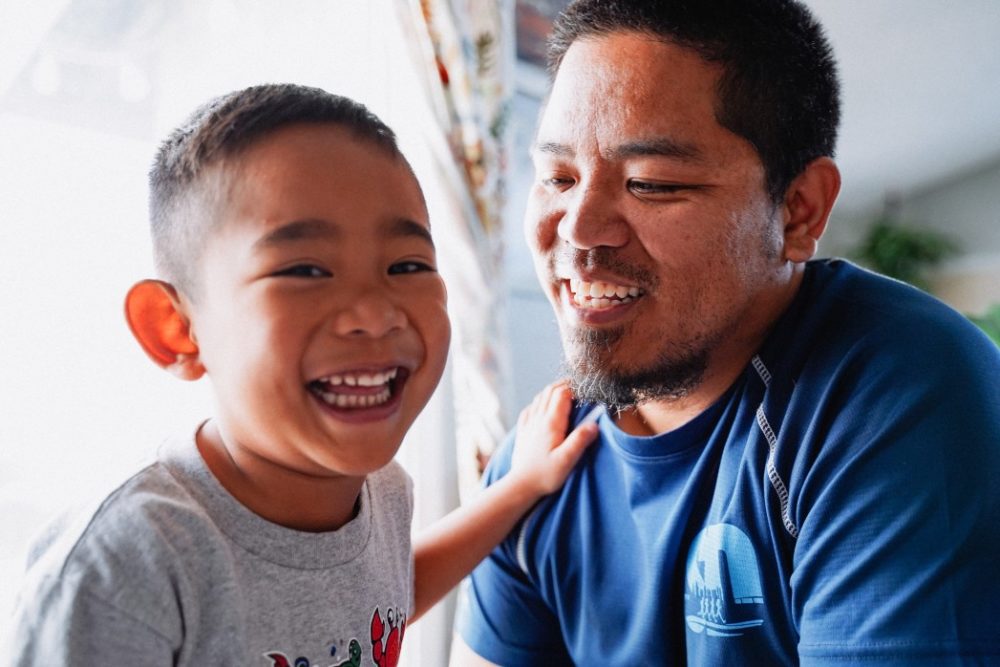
<point>554,392</point>
<point>577,441</point>
<point>560,402</point>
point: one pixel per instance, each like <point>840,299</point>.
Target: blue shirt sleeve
<point>896,559</point>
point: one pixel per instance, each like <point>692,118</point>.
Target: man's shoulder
<point>846,313</point>
<point>863,299</point>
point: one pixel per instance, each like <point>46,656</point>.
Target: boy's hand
<point>543,453</point>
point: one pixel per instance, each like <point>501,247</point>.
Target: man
<point>799,458</point>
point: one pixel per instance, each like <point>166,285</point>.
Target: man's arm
<point>449,549</point>
<point>897,541</point>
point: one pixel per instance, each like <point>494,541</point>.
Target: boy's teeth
<point>355,400</point>
<point>600,294</point>
<point>323,387</point>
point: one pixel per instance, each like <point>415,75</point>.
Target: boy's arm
<point>449,549</point>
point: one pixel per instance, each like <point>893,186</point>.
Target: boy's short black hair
<point>180,201</point>
<point>779,87</point>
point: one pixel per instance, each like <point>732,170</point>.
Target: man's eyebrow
<point>659,147</point>
<point>553,148</point>
<point>300,230</point>
<point>403,227</point>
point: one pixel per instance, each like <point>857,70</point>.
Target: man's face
<point>649,222</point>
<point>321,319</point>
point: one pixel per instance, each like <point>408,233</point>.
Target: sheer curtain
<point>467,51</point>
<point>464,51</point>
<point>87,88</point>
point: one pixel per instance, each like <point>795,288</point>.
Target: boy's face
<point>321,317</point>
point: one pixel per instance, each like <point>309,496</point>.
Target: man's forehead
<point>625,95</point>
<point>636,67</point>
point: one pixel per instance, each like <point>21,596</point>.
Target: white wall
<point>966,206</point>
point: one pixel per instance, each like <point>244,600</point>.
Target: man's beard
<point>673,374</point>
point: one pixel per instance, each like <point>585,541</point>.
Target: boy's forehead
<point>304,175</point>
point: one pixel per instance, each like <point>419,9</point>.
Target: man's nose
<point>593,219</point>
<point>371,313</point>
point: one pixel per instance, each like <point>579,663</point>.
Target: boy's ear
<point>807,207</point>
<point>158,321</point>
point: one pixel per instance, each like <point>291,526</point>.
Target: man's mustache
<point>567,259</point>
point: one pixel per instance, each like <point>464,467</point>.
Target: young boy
<point>298,273</point>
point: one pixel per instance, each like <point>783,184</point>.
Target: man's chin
<point>595,379</point>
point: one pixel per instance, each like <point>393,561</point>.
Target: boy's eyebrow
<point>314,229</point>
<point>407,227</point>
<point>298,230</point>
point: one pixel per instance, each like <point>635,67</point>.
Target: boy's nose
<point>370,314</point>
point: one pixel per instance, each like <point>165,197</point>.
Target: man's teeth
<point>601,294</point>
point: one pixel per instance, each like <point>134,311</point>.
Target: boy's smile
<point>352,391</point>
<point>319,317</point>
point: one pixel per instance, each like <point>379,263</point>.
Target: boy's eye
<point>304,271</point>
<point>409,267</point>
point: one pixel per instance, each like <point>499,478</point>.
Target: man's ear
<point>807,207</point>
<point>159,322</point>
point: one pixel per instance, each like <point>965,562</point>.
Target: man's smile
<point>601,294</point>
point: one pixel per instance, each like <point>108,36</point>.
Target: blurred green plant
<point>902,252</point>
<point>907,253</point>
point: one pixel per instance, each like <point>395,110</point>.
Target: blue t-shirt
<point>839,504</point>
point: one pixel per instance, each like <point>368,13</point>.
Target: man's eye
<point>648,188</point>
<point>409,267</point>
<point>304,271</point>
<point>557,182</point>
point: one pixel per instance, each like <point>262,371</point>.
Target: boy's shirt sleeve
<point>69,626</point>
<point>62,616</point>
<point>501,616</point>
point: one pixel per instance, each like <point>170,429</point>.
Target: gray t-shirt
<point>169,569</point>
